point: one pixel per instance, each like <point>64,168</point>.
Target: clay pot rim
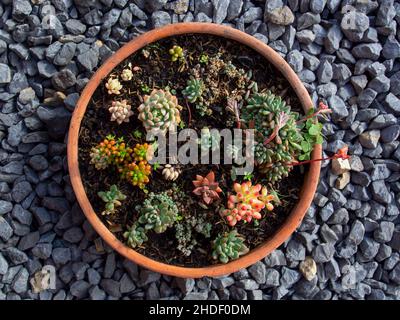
<point>286,229</point>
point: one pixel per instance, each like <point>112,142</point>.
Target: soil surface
<point>158,71</point>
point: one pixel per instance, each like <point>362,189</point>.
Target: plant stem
<point>312,160</point>
<point>272,136</point>
<point>189,111</point>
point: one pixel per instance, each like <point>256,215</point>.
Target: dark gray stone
<point>80,289</point>
<point>367,51</point>
<point>63,79</point>
<point>160,18</point>
<point>5,207</point>
<point>5,230</point>
<point>111,287</point>
<point>16,256</point>
<point>384,232</point>
<point>61,255</point>
<point>271,278</point>
<point>323,252</point>
<point>3,265</point>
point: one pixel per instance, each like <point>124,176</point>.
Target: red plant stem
<point>308,117</point>
<point>312,160</point>
<point>272,136</point>
<point>237,122</point>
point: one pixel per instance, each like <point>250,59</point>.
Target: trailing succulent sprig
<point>112,198</point>
<point>120,111</point>
<point>311,130</point>
<point>158,212</point>
<point>159,111</point>
<point>207,188</point>
<point>311,135</point>
<point>135,236</point>
<point>247,203</point>
<point>176,52</point>
<point>228,246</point>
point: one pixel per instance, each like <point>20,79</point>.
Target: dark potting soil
<point>158,71</point>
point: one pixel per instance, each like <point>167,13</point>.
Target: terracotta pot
<point>310,180</point>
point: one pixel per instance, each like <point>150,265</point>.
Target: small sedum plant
<point>126,74</point>
<point>228,246</point>
<point>137,173</point>
<point>176,52</point>
<point>203,58</point>
<point>247,203</point>
<point>109,151</point>
<point>142,152</point>
<point>158,212</point>
<point>112,198</point>
<point>207,188</point>
<point>159,111</point>
<point>120,111</point>
<point>184,236</point>
<point>135,236</point>
<point>170,172</point>
<point>113,86</point>
<point>194,90</point>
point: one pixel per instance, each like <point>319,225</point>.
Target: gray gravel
<point>349,58</point>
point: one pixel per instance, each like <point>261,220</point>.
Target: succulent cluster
<point>113,86</point>
<point>131,163</point>
<point>158,212</point>
<point>159,111</point>
<point>238,74</point>
<point>135,236</point>
<point>278,139</point>
<point>184,236</point>
<point>137,173</point>
<point>207,188</point>
<point>176,52</point>
<point>120,111</point>
<point>142,152</point>
<point>109,151</point>
<point>248,202</point>
<point>228,246</point>
<point>112,198</point>
<point>281,141</point>
<point>184,232</point>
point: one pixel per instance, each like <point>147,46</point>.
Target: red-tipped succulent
<point>248,202</point>
<point>207,188</point>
